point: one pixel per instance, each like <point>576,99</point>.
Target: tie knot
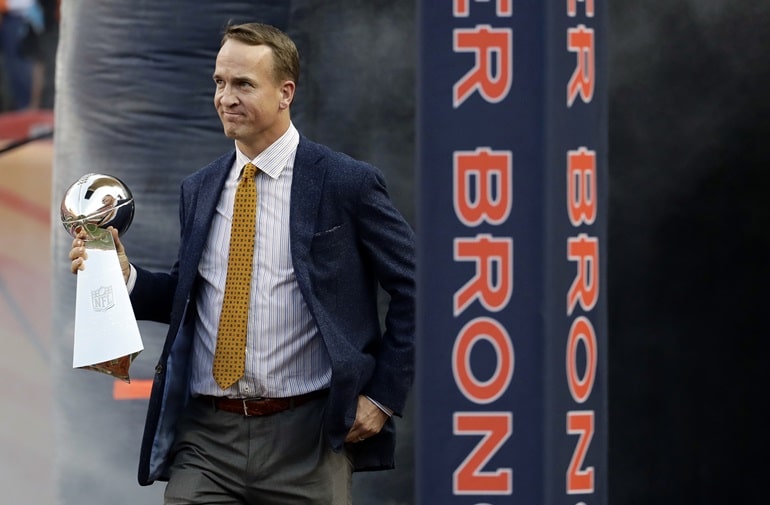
<point>249,170</point>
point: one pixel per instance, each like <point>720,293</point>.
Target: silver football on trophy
<point>97,201</point>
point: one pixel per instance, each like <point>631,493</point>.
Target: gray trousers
<point>281,459</point>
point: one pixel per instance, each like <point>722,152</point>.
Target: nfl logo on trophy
<point>101,299</point>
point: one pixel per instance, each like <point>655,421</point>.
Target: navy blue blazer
<point>346,240</point>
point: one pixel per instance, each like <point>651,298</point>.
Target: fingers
<point>125,264</point>
<point>356,434</point>
<point>115,238</point>
<point>369,421</point>
<point>78,253</point>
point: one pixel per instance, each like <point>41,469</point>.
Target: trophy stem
<point>98,238</point>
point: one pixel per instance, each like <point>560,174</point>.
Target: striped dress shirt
<point>285,354</point>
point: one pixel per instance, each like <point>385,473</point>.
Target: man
<point>320,379</point>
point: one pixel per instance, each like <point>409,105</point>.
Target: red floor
<point>26,425</point>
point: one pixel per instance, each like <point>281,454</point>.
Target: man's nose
<point>228,96</point>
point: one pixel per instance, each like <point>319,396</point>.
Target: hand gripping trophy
<point>107,337</point>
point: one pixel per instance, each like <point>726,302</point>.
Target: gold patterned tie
<point>230,354</point>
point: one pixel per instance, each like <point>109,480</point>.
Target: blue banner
<point>512,218</point>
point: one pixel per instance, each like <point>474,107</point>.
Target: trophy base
<point>117,367</point>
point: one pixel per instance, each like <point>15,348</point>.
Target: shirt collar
<point>275,158</point>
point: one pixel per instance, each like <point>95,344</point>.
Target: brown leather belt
<point>261,406</point>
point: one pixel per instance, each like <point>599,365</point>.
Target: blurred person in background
<point>39,46</point>
<point>17,18</point>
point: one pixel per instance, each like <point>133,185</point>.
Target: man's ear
<point>287,94</point>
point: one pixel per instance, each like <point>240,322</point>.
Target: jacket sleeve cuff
<point>380,406</point>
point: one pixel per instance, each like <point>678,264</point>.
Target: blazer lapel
<point>306,187</point>
<point>200,212</point>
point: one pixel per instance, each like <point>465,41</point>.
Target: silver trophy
<point>95,202</point>
<point>106,334</point>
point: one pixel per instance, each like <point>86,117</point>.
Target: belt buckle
<point>244,401</point>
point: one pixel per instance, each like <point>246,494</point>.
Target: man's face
<point>252,105</point>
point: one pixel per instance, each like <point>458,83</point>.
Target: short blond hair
<point>285,53</point>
